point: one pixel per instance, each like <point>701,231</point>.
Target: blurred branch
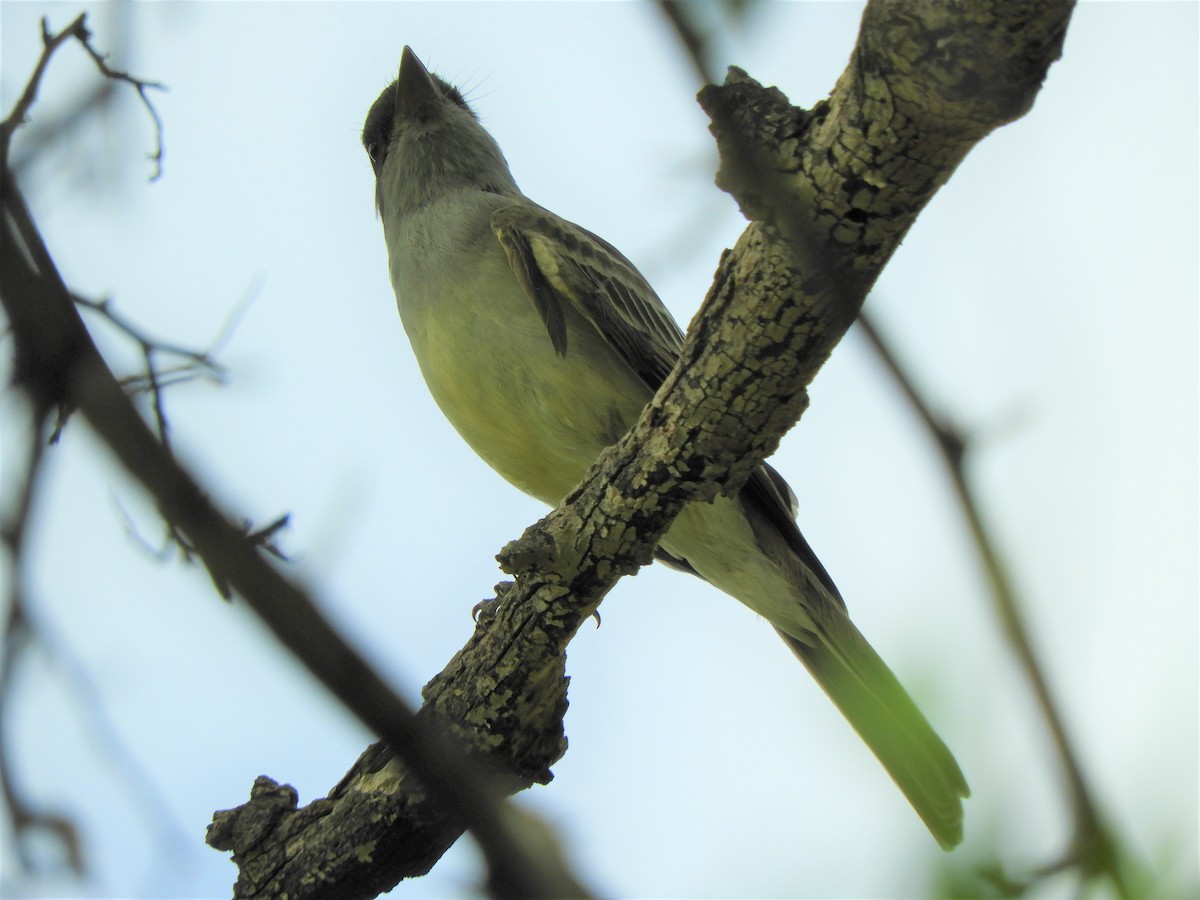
<point>204,360</point>
<point>692,36</point>
<point>51,129</point>
<point>57,366</point>
<point>1094,849</point>
<point>22,634</point>
<point>196,363</point>
<point>27,822</point>
<point>80,378</point>
<point>155,379</point>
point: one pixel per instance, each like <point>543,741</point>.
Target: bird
<point>541,343</point>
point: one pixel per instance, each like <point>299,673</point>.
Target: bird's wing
<point>560,263</point>
<point>557,262</point>
<point>767,498</point>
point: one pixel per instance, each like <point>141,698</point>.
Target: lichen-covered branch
<point>1094,848</point>
<point>831,192</point>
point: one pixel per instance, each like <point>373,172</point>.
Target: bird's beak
<point>414,86</point>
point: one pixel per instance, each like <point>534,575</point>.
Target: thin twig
<point>167,376</point>
<point>20,111</point>
<point>27,822</point>
<point>22,634</point>
<point>154,380</point>
<point>50,43</point>
<point>105,308</point>
<point>139,85</point>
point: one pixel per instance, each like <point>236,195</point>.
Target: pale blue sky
<point>1047,299</point>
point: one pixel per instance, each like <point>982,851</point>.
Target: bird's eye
<point>375,153</point>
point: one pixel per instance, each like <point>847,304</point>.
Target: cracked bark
<point>830,192</point>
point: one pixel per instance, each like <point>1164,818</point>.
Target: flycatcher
<point>541,343</point>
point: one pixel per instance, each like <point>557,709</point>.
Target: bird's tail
<point>873,700</point>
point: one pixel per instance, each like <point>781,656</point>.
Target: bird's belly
<point>538,419</point>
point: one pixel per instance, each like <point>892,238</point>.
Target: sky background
<point>1046,301</point>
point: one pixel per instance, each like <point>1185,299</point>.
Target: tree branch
<point>918,94</point>
<point>1094,848</point>
<point>855,171</point>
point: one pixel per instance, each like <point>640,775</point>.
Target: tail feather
<point>873,700</point>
